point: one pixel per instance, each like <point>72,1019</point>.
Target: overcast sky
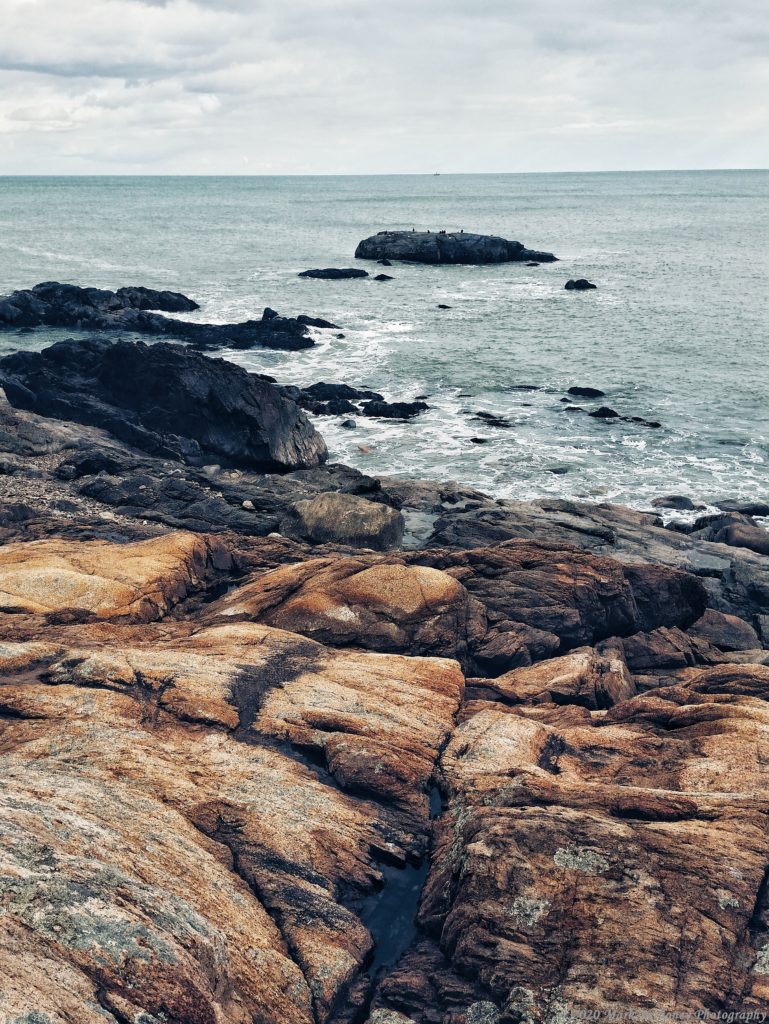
<point>368,86</point>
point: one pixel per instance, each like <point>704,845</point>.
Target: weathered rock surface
<point>440,247</point>
<point>735,578</point>
<point>139,582</point>
<point>67,305</point>
<point>167,851</point>
<point>564,825</point>
<point>587,677</point>
<point>166,400</point>
<point>360,602</point>
<point>541,601</point>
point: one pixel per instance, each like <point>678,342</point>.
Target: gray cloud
<point>357,86</point>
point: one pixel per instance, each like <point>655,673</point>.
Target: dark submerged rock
<point>334,273</point>
<point>604,413</point>
<point>316,321</point>
<point>165,400</point>
<point>745,508</point>
<point>384,277</point>
<point>582,392</point>
<point>580,285</point>
<point>442,247</point>
<point>394,410</point>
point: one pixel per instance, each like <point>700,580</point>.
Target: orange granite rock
<point>139,582</point>
<point>383,606</point>
<point>155,750</point>
<point>607,859</point>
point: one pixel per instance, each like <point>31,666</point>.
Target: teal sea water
<point>678,330</point>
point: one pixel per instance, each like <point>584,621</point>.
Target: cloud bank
<point>357,86</point>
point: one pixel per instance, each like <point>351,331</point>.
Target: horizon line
<point>374,174</point>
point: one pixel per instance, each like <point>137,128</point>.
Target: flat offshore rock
<point>440,247</point>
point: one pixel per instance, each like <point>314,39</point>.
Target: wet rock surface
<point>317,747</point>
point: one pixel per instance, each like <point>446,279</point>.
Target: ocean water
<point>678,330</point>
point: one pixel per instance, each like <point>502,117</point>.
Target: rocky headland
<point>284,743</point>
<point>134,310</point>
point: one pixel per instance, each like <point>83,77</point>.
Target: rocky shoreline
<point>285,742</point>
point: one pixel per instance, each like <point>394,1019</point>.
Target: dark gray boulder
<point>580,285</point>
<point>335,518</point>
<point>166,400</point>
<point>441,247</point>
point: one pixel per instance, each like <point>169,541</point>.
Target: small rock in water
<point>339,335</point>
<point>604,413</point>
<point>580,285</point>
<point>384,263</point>
<point>348,424</point>
<point>334,273</point>
<point>393,410</point>
<point>442,305</point>
<point>532,264</point>
<point>479,440</point>
<point>584,392</point>
<point>383,277</point>
<point>558,470</point>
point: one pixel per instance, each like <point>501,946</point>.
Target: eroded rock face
<point>166,400</point>
<point>540,600</point>
<point>440,247</point>
<point>587,677</point>
<point>565,824</point>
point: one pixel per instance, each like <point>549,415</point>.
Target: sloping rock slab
<point>139,582</point>
<point>166,400</point>
<point>167,849</point>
